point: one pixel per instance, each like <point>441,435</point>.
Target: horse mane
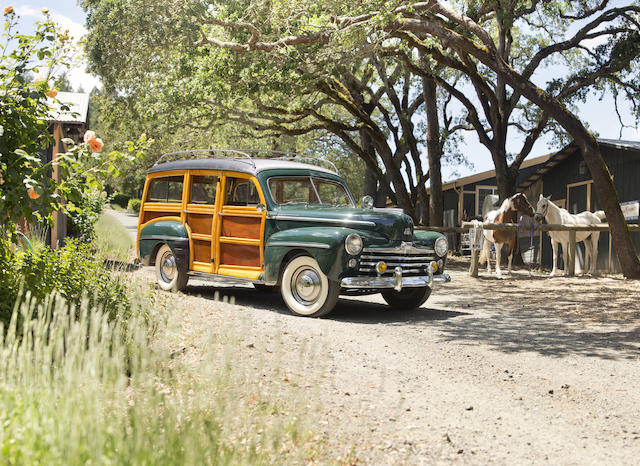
<point>505,205</point>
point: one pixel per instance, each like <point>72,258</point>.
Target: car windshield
<point>308,190</point>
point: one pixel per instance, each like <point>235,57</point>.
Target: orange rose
<point>8,10</point>
<point>33,194</point>
<point>96,145</point>
<point>1,179</point>
<point>52,92</point>
<point>89,136</point>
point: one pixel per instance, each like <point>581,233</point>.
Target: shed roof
<point>78,103</point>
<point>491,173</point>
<point>570,149</point>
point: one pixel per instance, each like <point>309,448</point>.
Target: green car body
<point>318,231</point>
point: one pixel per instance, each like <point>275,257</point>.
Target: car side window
<point>166,189</point>
<point>241,192</point>
<point>203,189</point>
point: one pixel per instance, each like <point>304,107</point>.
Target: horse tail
<point>483,255</point>
<point>600,214</point>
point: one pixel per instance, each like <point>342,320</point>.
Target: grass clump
<point>77,387</point>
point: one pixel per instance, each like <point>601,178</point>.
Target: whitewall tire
<point>168,274</point>
<point>306,290</point>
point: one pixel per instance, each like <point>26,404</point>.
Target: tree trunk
<point>370,179</point>
<point>434,153</point>
<point>394,175</point>
<point>506,176</point>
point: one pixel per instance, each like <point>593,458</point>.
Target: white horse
<point>505,214</point>
<point>556,215</point>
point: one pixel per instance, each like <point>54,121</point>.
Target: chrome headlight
<point>441,246</point>
<point>353,244</point>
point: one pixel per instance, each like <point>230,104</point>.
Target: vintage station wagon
<point>277,222</point>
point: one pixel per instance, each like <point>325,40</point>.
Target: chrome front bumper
<point>397,281</point>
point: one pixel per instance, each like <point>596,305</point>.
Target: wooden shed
<point>71,123</point>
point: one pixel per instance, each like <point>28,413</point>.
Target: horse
<point>505,214</point>
<point>554,214</point>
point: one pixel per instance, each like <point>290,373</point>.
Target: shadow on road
<point>558,317</point>
<point>347,310</point>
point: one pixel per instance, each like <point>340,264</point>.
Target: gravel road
<point>521,370</point>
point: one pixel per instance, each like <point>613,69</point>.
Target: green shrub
<point>81,221</point>
<point>73,272</point>
<point>120,199</point>
<point>134,205</point>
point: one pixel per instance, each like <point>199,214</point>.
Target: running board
<point>227,278</point>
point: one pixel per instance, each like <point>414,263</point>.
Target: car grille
<point>413,261</point>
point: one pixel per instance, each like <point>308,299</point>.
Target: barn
<point>564,176</point>
<point>68,118</point>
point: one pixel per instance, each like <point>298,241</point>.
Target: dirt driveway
<point>522,370</point>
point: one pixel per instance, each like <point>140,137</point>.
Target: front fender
<point>325,245</point>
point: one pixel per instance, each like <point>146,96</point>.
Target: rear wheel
<point>168,274</point>
<point>406,299</point>
<point>306,290</point>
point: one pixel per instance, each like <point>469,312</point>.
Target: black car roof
<point>251,166</point>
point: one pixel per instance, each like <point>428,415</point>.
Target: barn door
<point>579,200</point>
<point>578,197</point>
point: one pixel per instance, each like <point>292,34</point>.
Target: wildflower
<point>8,10</point>
<point>52,92</point>
<point>45,10</point>
<point>89,136</point>
<point>96,145</point>
<point>32,193</point>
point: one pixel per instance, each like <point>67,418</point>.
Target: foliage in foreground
<point>74,391</point>
<point>72,272</point>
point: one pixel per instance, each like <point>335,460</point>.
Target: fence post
<point>572,253</point>
<point>473,268</point>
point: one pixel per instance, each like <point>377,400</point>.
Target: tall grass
<point>112,239</point>
<point>79,388</point>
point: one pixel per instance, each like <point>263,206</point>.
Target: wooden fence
<point>572,229</point>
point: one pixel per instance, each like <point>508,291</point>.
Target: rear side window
<point>241,192</point>
<point>203,189</point>
<point>167,189</point>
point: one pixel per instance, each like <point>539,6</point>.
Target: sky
<point>599,114</point>
<point>69,15</point>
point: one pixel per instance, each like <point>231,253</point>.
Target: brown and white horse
<point>505,214</point>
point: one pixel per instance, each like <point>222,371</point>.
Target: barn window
<point>482,192</point>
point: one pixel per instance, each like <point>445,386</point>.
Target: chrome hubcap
<point>168,267</point>
<point>306,285</point>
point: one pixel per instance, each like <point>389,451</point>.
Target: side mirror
<point>367,202</point>
<point>261,208</point>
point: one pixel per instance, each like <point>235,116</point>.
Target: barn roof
<point>78,103</point>
<point>491,173</point>
<point>570,149</point>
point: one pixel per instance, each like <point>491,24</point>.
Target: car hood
<point>391,224</point>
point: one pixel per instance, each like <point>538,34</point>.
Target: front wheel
<point>306,290</point>
<point>406,299</point>
<point>168,274</point>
